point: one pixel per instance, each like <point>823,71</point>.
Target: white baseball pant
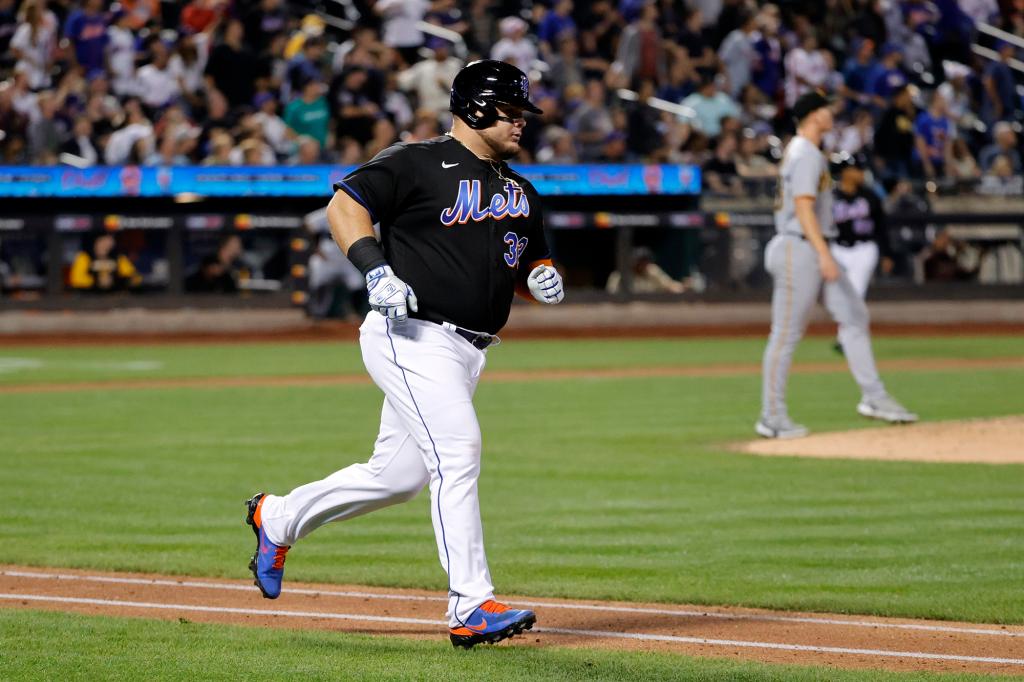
<point>859,262</point>
<point>428,434</point>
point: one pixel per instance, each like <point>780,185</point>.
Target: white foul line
<point>534,604</point>
<point>559,631</point>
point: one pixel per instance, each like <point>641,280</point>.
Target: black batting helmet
<point>485,83</point>
<point>847,160</point>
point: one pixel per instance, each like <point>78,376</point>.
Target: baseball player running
<point>460,232</point>
<point>799,259</point>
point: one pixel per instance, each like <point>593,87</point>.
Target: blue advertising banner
<point>312,181</point>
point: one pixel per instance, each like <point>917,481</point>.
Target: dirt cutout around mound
<point>987,441</point>
<point>843,641</point>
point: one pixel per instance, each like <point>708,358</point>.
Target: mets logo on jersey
<point>512,204</point>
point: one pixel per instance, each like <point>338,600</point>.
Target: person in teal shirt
<point>309,114</point>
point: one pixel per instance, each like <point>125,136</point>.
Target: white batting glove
<point>388,295</point>
<point>546,284</point>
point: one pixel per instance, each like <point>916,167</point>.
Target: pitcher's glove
<point>545,284</point>
<point>389,295</point>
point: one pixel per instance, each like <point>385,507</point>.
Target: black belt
<point>479,341</point>
<point>828,240</point>
<point>476,339</point>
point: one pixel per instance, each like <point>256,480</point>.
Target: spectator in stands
<point>710,105</point>
<point>232,66</point>
<point>137,128</point>
<point>860,72</point>
<point>557,147</point>
<point>1004,144</point>
<point>78,149</point>
<point>564,65</point>
<point>767,66</point>
<point>751,161</point>
<point>682,81</point>
<point>47,131</point>
<point>514,47</point>
<point>33,43</point>
<point>957,93</point>
<point>309,114</point>
<point>431,79</point>
<point>640,55</point>
<point>738,55</point>
<point>890,76</point>
<point>1001,179</point>
<point>265,21</point>
<point>305,66</point>
<point>355,108</point>
<point>158,84</point>
<point>120,54</point>
<point>556,22</point>
<point>591,122</point>
<point>400,31</point>
<point>1000,101</point>
<point>86,28</point>
<point>719,173</point>
<point>894,136</point>
<point>962,166</point>
<point>806,68</point>
<point>933,138</point>
<point>859,134</point>
<point>102,268</point>
<point>308,152</point>
<point>221,143</point>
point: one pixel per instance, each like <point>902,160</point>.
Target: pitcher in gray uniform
<point>799,261</point>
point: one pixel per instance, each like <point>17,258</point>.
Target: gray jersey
<point>804,172</point>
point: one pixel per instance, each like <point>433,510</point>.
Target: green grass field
<point>624,489</point>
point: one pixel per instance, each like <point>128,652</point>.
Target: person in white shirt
<point>806,69</point>
<point>431,79</point>
<point>158,83</point>
<point>121,55</point>
<point>33,43</point>
<point>400,18</point>
<point>119,146</point>
<point>514,47</point>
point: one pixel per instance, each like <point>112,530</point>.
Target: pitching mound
<point>991,441</point>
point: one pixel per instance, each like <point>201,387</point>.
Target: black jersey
<point>459,230</point>
<point>859,217</point>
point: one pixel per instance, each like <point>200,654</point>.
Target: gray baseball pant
<point>793,264</point>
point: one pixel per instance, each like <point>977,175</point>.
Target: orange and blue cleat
<point>267,564</point>
<point>491,622</point>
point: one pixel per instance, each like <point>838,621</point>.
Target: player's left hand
<point>546,284</point>
<point>389,295</point>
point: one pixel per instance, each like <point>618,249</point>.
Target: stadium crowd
<point>264,82</point>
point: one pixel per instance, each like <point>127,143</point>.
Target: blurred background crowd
<point>924,93</point>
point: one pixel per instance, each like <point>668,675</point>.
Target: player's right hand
<point>389,295</point>
<point>829,267</point>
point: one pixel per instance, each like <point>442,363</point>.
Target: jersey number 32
<point>516,246</point>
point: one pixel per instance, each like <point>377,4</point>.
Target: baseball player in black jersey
<point>460,233</point>
<point>860,222</point>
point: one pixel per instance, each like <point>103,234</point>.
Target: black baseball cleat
<point>267,564</point>
<point>490,623</point>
